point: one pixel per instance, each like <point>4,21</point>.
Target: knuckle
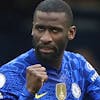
<point>43,68</point>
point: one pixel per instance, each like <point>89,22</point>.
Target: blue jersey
<point>75,80</point>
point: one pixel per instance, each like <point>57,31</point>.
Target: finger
<point>39,69</point>
<point>44,78</point>
<point>34,66</point>
<point>36,73</point>
<point>42,73</point>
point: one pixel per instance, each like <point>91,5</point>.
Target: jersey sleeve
<point>26,95</point>
<point>8,90</point>
<point>92,82</point>
<point>7,96</point>
<point>11,82</point>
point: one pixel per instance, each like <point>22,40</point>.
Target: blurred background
<point>16,24</point>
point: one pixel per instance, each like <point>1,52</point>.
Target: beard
<point>49,57</point>
<point>46,57</point>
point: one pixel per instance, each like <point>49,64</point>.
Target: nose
<point>46,37</point>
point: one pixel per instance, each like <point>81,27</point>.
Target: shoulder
<point>74,58</point>
<point>13,73</point>
<point>79,63</point>
<point>72,55</point>
<point>17,67</point>
<point>20,62</point>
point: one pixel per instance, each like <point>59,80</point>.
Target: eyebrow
<point>49,27</point>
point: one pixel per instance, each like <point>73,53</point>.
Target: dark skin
<point>36,75</point>
<point>51,34</point>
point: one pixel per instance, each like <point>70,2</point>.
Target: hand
<point>36,75</point>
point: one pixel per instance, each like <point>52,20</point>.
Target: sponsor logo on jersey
<point>38,96</point>
<point>76,91</point>
<point>90,67</point>
<point>94,76</point>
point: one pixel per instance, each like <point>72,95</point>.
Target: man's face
<point>49,35</point>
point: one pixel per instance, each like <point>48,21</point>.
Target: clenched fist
<point>35,75</point>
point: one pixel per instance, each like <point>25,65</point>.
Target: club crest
<point>76,91</point>
<point>1,96</point>
<point>2,80</point>
<point>61,91</point>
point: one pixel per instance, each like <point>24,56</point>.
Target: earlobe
<point>72,32</point>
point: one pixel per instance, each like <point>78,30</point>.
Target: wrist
<point>31,91</point>
<point>25,93</point>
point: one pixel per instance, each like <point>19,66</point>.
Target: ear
<point>32,30</point>
<point>71,32</point>
<point>32,33</point>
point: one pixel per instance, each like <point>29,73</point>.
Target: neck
<point>55,63</point>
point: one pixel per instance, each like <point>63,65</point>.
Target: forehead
<point>56,17</point>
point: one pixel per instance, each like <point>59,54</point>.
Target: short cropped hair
<point>56,6</point>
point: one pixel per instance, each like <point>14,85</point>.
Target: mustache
<point>50,46</point>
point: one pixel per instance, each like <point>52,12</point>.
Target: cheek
<point>36,37</point>
<point>60,39</point>
<point>61,43</point>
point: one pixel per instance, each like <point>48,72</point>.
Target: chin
<point>46,58</point>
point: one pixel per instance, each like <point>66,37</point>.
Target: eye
<point>55,31</point>
<point>40,28</point>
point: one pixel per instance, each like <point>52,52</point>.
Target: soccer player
<point>48,72</point>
